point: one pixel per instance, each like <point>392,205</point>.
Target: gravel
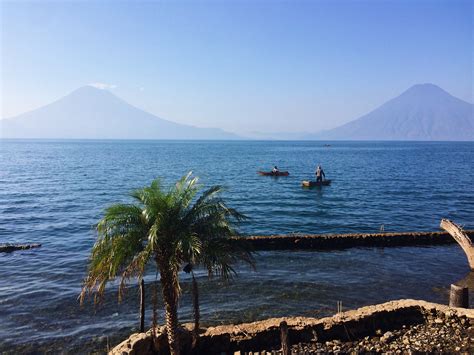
<point>441,333</point>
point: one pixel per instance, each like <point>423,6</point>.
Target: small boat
<point>314,183</point>
<point>271,173</point>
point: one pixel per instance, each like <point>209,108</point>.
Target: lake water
<point>53,192</point>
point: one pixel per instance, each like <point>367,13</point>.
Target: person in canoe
<point>320,174</point>
<point>275,170</point>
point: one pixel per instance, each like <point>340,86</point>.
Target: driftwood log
<point>142,306</point>
<point>8,248</point>
<point>462,238</point>
<point>285,339</point>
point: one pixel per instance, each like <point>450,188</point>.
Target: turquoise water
<point>53,192</point>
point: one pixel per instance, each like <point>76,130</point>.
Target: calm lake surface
<point>52,192</point>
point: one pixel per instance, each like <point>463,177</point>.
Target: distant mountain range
<point>93,113</point>
<point>423,112</point>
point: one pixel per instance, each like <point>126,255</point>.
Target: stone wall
<point>264,335</point>
<point>339,241</point>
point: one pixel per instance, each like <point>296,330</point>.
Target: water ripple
<point>53,192</point>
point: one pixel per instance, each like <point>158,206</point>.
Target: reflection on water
<point>286,283</point>
<point>53,193</point>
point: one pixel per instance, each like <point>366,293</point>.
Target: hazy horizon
<point>239,66</point>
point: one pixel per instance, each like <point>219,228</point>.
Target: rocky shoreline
<point>395,327</point>
<point>8,248</point>
<point>450,334</point>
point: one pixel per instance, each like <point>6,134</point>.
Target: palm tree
<point>211,258</point>
<point>167,228</point>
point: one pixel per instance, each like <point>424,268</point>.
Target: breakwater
<point>342,241</point>
<point>8,248</point>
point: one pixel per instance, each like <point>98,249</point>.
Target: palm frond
<point>122,219</point>
<point>122,233</point>
<point>136,268</point>
<point>189,248</point>
<point>222,253</point>
<point>213,222</point>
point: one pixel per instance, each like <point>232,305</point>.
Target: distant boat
<point>271,173</point>
<point>314,183</point>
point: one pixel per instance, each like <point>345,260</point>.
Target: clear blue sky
<point>239,65</point>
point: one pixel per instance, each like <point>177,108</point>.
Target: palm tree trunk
<point>169,286</point>
<point>197,315</point>
<point>155,308</point>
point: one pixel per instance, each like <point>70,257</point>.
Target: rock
<point>8,248</point>
<point>439,321</point>
<point>140,343</point>
<point>449,314</point>
<point>387,337</point>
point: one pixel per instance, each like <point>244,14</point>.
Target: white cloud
<point>103,86</point>
<point>142,89</point>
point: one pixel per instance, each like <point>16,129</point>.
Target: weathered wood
<point>467,281</point>
<point>271,173</point>
<point>306,183</point>
<point>8,248</point>
<point>285,339</point>
<point>459,297</point>
<point>462,238</point>
<point>142,306</point>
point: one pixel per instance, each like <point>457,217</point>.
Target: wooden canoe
<point>314,183</point>
<point>271,173</point>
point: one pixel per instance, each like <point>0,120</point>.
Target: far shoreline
<point>185,140</point>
